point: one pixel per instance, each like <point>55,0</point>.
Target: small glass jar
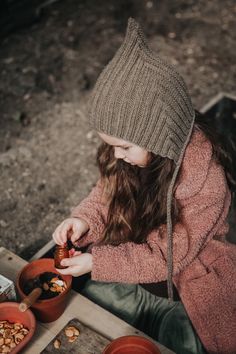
<point>60,253</point>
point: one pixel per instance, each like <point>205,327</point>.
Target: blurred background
<point>51,53</point>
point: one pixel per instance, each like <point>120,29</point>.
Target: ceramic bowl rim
<point>45,300</point>
<point>131,336</point>
<point>32,329</point>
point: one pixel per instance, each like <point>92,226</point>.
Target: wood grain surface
<point>88,342</point>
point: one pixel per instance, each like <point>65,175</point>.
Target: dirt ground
<point>47,151</point>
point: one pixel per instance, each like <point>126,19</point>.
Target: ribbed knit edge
<point>135,35</point>
<point>169,217</point>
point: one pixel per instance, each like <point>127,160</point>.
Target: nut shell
<point>11,334</point>
<point>57,344</point>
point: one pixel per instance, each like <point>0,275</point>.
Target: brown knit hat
<point>140,98</point>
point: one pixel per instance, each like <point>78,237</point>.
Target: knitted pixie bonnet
<point>140,98</point>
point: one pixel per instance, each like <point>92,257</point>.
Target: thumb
<point>67,262</point>
<point>79,227</point>
<point>77,253</point>
<point>75,236</point>
<point>73,252</point>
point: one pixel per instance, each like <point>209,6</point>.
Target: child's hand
<point>79,264</point>
<point>72,228</point>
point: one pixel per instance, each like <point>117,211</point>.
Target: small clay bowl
<point>47,310</point>
<point>9,312</point>
<point>131,345</point>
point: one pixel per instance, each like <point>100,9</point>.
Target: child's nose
<point>118,153</point>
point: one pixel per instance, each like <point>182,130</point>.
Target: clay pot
<point>131,345</point>
<point>50,309</point>
<point>9,311</point>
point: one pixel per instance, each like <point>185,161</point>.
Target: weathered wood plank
<point>89,341</point>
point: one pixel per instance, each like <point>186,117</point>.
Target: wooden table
<point>78,306</point>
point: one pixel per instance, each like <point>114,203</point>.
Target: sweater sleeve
<point>203,212</point>
<point>93,211</point>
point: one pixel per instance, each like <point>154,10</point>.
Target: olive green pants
<point>168,323</point>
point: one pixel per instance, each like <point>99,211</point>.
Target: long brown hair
<point>137,196</point>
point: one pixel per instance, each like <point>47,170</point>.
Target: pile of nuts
<point>55,285</point>
<point>71,332</point>
<point>11,334</point>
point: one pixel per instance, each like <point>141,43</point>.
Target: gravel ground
<point>47,152</point>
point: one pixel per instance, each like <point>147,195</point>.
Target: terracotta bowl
<point>9,311</point>
<point>50,309</point>
<point>131,345</point>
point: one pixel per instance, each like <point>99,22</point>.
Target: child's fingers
<point>77,265</point>
<point>75,236</point>
<point>57,236</point>
<point>67,271</point>
<point>69,229</point>
<point>73,252</point>
<point>65,231</point>
<point>67,262</point>
<point>77,231</point>
<point>77,253</point>
<point>60,238</point>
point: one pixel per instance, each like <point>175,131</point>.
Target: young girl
<point>154,225</point>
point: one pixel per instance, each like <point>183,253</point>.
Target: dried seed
<point>57,343</point>
<point>13,345</point>
<point>8,325</point>
<point>53,289</point>
<point>18,337</point>
<point>76,332</point>
<point>45,286</point>
<point>72,331</point>
<point>69,332</point>
<point>53,285</point>
<point>59,282</point>
<point>17,324</point>
<point>17,327</point>
<point>24,331</point>
<point>7,333</point>
<point>7,340</point>
<point>57,288</point>
<point>11,334</point>
<point>5,349</point>
<point>54,280</point>
<point>72,339</point>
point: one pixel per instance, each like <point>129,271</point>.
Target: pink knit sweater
<point>200,256</point>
